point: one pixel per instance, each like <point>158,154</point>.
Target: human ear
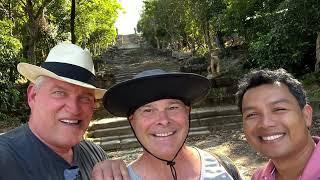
<point>130,118</point>
<point>307,115</point>
<point>31,93</point>
<point>189,108</point>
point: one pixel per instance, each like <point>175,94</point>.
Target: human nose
<point>163,118</point>
<point>73,106</point>
<point>267,120</point>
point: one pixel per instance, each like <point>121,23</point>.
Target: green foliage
<point>311,82</point>
<point>290,42</point>
<point>162,22</point>
<point>180,24</point>
<point>279,33</point>
<point>95,23</point>
<point>9,92</point>
<point>29,29</point>
<point>39,25</point>
<point>58,26</point>
<point>250,17</point>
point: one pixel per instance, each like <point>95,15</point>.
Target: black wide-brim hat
<point>124,98</point>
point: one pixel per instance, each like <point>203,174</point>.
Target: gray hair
<point>39,81</point>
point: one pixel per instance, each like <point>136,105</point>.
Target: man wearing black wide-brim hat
<point>61,96</point>
<point>157,105</point>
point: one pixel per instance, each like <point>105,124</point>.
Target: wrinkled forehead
<point>159,103</point>
<point>164,102</point>
<point>59,84</point>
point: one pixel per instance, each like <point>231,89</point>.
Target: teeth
<point>273,137</point>
<point>70,121</point>
<point>164,134</point>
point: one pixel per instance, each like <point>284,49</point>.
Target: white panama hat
<point>65,62</point>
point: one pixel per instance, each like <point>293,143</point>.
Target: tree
<point>72,18</point>
<point>30,28</point>
<point>248,18</point>
<point>9,57</point>
<point>290,41</point>
<point>95,21</point>
<point>35,24</point>
<point>317,65</point>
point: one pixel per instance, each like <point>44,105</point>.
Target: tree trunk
<point>207,36</point>
<point>72,21</point>
<point>219,41</point>
<point>33,31</point>
<point>214,67</point>
<point>317,65</point>
<point>31,51</point>
<point>157,41</point>
<point>33,27</point>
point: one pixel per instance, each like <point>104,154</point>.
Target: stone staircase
<point>128,58</point>
<point>122,63</point>
<point>116,133</point>
<point>128,62</point>
<point>126,74</point>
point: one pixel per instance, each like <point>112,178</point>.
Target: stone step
<point>131,135</point>
<point>131,142</point>
<point>108,123</point>
<point>214,111</point>
<point>124,130</point>
<point>219,120</point>
<point>115,133</point>
<point>198,115</point>
<point>105,130</point>
<point>126,74</point>
<point>121,77</point>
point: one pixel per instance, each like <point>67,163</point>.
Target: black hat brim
<point>123,98</point>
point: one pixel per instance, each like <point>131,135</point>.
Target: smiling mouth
<point>272,137</point>
<point>70,122</point>
<point>166,134</point>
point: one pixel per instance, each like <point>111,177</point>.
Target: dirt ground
<point>229,143</point>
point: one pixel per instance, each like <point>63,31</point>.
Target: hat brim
<point>32,72</point>
<point>123,98</point>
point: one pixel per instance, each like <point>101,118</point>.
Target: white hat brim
<point>32,72</point>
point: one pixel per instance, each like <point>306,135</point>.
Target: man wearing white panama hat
<point>61,96</point>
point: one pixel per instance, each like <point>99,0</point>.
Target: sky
<point>128,21</point>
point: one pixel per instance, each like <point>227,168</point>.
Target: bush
<point>311,83</point>
<point>10,96</point>
<point>290,41</point>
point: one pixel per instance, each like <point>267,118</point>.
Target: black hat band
<point>70,71</point>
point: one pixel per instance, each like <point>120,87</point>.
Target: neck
<point>65,152</point>
<point>187,165</point>
<point>290,168</point>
